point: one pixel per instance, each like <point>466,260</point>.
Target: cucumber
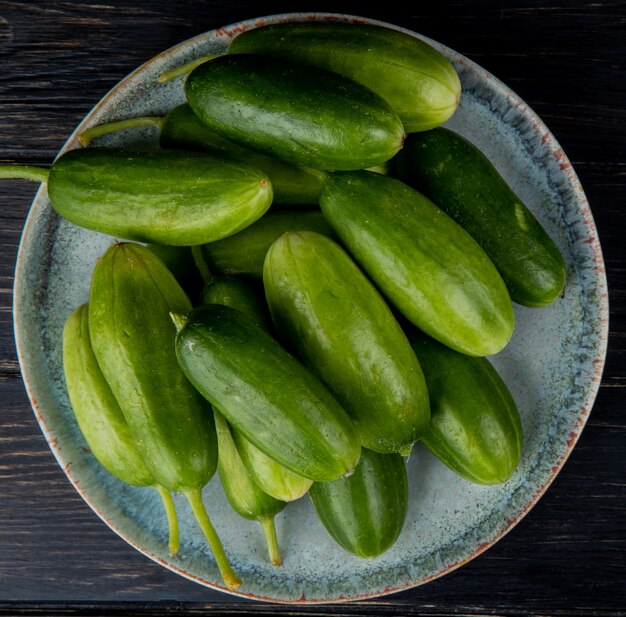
<point>180,263</point>
<point>273,478</point>
<point>238,294</point>
<point>339,326</point>
<point>100,418</point>
<point>429,268</point>
<point>265,393</point>
<point>243,494</point>
<point>300,114</point>
<point>413,77</point>
<point>475,428</point>
<point>294,186</point>
<point>244,252</point>
<point>132,295</point>
<point>163,197</point>
<point>365,512</point>
<point>460,179</point>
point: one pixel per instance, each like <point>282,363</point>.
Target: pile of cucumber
<point>302,348</point>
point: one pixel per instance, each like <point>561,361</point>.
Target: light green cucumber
<point>244,495</point>
<point>416,79</point>
<point>100,419</point>
<point>427,266</point>
<point>133,339</point>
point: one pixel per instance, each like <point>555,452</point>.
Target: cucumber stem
<point>179,320</point>
<point>194,496</point>
<point>172,519</point>
<point>269,531</point>
<point>184,69</point>
<point>198,258</point>
<point>24,172</point>
<point>86,137</point>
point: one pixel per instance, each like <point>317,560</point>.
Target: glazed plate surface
<point>552,366</point>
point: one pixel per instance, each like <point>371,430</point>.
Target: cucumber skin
<point>292,185</point>
<point>266,394</point>
<point>365,512</point>
<point>165,197</point>
<point>475,428</point>
<point>460,179</point>
<point>427,266</point>
<point>417,81</point>
<point>180,263</point>
<point>243,494</point>
<point>303,115</point>
<point>338,324</point>
<point>272,477</point>
<point>244,253</point>
<point>132,293</point>
<point>97,412</point>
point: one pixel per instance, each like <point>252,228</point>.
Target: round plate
<point>552,365</point>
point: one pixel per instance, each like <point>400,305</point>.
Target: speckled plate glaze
<point>552,365</point>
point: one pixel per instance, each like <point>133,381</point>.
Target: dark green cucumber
<point>164,197</point>
<point>272,477</point>
<point>338,324</point>
<point>475,428</point>
<point>430,269</point>
<point>365,512</point>
<point>244,252</point>
<point>238,294</point>
<point>265,393</point>
<point>416,80</point>
<point>133,338</point>
<point>244,495</point>
<point>180,263</point>
<point>460,179</point>
<point>181,129</point>
<point>300,114</point>
<point>100,419</point>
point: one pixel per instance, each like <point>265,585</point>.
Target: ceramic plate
<point>552,365</point>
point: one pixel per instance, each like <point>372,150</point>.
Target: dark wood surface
<point>566,59</point>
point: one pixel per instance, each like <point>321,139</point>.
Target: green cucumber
<point>181,129</point>
<point>365,512</point>
<point>265,393</point>
<point>100,419</point>
<point>180,263</point>
<point>475,428</point>
<point>132,296</point>
<point>164,197</point>
<point>417,80</point>
<point>243,494</point>
<point>244,252</point>
<point>275,479</point>
<point>460,179</point>
<point>300,114</point>
<point>238,294</point>
<point>338,325</point>
<point>429,268</point>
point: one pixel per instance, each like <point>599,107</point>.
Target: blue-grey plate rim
<point>593,269</point>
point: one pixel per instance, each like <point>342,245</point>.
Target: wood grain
<point>566,59</point>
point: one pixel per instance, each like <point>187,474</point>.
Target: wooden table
<point>566,59</point>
